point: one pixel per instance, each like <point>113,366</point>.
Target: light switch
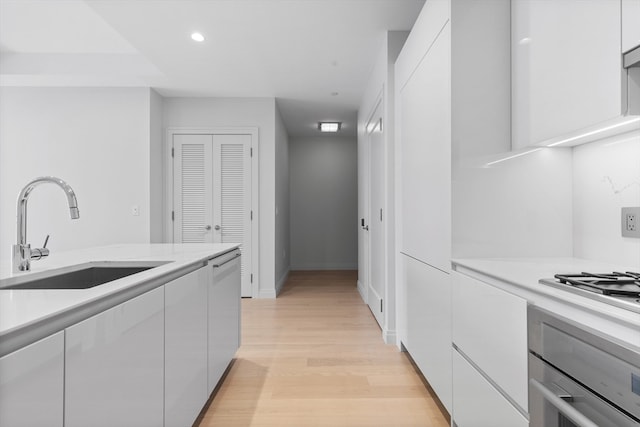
<point>135,210</point>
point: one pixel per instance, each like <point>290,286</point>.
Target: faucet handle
<point>39,253</point>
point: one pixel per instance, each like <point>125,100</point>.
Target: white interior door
<point>364,244</point>
<point>212,193</point>
<point>377,283</point>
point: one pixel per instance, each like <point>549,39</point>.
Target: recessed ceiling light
<point>197,37</point>
<point>329,126</point>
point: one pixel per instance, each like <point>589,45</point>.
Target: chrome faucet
<point>22,252</point>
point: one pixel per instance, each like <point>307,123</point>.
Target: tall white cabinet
<point>452,98</point>
<point>423,138</point>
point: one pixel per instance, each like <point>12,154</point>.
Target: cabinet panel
<point>630,24</point>
<point>476,403</point>
<point>424,129</point>
<point>31,384</point>
<point>566,67</point>
<point>224,318</point>
<point>428,324</point>
<point>490,328</point>
<point>185,348</point>
<point>115,366</point>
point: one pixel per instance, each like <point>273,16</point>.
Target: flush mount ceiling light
<point>329,126</point>
<point>197,37</point>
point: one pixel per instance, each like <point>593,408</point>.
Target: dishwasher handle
<point>227,261</point>
<point>560,403</point>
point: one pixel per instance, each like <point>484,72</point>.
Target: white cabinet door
<point>31,384</point>
<point>185,381</point>
<point>424,131</point>
<point>630,24</point>
<point>428,324</point>
<point>566,67</point>
<point>490,328</point>
<point>224,316</point>
<point>476,403</point>
<point>114,366</point>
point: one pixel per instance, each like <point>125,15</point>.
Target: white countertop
<point>23,311</point>
<point>521,276</point>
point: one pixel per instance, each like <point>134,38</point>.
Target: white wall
<point>95,139</point>
<point>606,177</point>
<point>241,112</point>
<point>380,85</point>
<point>520,207</point>
<point>283,235</point>
<point>324,203</point>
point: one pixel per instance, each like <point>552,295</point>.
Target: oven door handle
<point>561,405</point>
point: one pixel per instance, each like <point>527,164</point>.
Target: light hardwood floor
<point>315,357</point>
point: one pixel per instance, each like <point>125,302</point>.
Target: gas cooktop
<point>621,289</point>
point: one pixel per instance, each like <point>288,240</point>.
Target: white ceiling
<point>314,56</point>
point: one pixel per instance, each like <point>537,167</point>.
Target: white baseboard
<point>282,281</point>
<point>324,266</point>
<point>267,293</point>
<point>362,291</point>
<point>390,337</point>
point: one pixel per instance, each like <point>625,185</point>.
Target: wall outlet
<point>630,222</point>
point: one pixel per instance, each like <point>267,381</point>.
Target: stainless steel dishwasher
<point>578,377</point>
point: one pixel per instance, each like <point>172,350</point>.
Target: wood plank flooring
<point>314,357</point>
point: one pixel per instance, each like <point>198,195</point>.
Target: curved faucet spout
<point>22,251</point>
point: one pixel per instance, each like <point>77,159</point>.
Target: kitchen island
<point>146,349</point>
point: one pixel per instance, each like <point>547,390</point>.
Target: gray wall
<point>323,203</point>
<point>283,234</point>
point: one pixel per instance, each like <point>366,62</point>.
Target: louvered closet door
<point>212,193</point>
<point>232,197</point>
<point>193,189</point>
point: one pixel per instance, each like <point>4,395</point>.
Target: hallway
<point>315,357</point>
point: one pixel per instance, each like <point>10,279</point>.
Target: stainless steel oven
<point>578,377</point>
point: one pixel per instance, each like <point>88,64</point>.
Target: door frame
<point>255,180</point>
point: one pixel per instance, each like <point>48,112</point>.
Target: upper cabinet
<point>566,67</point>
<point>630,24</point>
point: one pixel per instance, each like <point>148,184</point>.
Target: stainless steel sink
<point>86,277</point>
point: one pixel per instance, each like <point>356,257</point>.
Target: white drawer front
<point>476,403</point>
<point>490,328</point>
